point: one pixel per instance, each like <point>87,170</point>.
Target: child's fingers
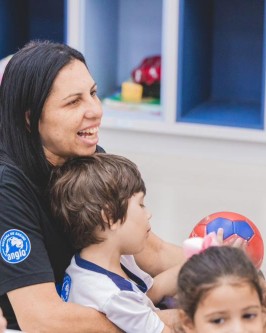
<point>220,236</point>
<point>240,243</point>
<point>237,242</point>
<point>234,242</point>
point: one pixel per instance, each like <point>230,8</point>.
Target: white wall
<point>189,178</point>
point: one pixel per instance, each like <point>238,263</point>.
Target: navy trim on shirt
<point>118,280</point>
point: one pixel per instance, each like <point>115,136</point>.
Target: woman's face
<point>71,116</point>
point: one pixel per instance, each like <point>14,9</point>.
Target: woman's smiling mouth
<point>88,132</point>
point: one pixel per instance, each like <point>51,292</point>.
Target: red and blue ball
<point>234,226</point>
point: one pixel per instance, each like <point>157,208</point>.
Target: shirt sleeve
<point>23,256</point>
<point>128,311</point>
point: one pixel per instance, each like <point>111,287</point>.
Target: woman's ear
<point>186,322</point>
<point>27,120</point>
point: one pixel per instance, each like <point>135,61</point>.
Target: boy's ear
<point>109,222</point>
<point>27,120</point>
<point>186,322</point>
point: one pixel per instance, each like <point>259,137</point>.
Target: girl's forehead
<point>225,284</point>
<point>234,284</point>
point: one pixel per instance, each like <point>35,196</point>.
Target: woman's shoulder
<point>14,177</point>
<point>9,171</point>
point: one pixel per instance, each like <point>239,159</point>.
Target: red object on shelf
<point>148,72</point>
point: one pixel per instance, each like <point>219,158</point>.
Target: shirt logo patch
<point>15,246</point>
<point>66,288</point>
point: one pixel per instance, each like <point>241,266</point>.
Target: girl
<point>220,290</point>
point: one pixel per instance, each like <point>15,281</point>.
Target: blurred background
<point>198,135</point>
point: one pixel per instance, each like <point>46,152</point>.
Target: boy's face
<point>227,309</point>
<point>136,227</point>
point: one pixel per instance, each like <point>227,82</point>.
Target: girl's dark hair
<point>84,187</point>
<point>25,86</point>
<point>205,271</point>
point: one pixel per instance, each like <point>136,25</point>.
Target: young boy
<point>100,201</point>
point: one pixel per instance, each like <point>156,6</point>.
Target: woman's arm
<point>159,256</point>
<point>2,322</point>
<point>171,319</point>
<point>38,308</point>
<point>164,285</point>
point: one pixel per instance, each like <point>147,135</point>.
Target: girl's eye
<point>249,315</point>
<point>142,205</point>
<point>217,321</point>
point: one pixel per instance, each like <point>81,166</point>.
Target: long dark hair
<point>25,86</point>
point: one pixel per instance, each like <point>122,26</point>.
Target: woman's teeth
<point>89,131</point>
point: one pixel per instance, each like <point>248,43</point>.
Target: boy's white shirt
<point>120,299</point>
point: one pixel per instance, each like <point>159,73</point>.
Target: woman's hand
<point>2,322</point>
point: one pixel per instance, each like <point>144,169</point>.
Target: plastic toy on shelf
<point>148,74</point>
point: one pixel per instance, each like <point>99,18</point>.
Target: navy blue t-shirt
<point>33,248</point>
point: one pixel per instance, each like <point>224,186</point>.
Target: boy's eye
<point>93,92</point>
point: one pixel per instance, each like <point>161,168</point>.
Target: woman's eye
<point>142,205</point>
<point>74,102</point>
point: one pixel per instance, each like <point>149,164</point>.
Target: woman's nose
<point>93,109</point>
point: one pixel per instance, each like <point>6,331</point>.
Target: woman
<point>49,112</point>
